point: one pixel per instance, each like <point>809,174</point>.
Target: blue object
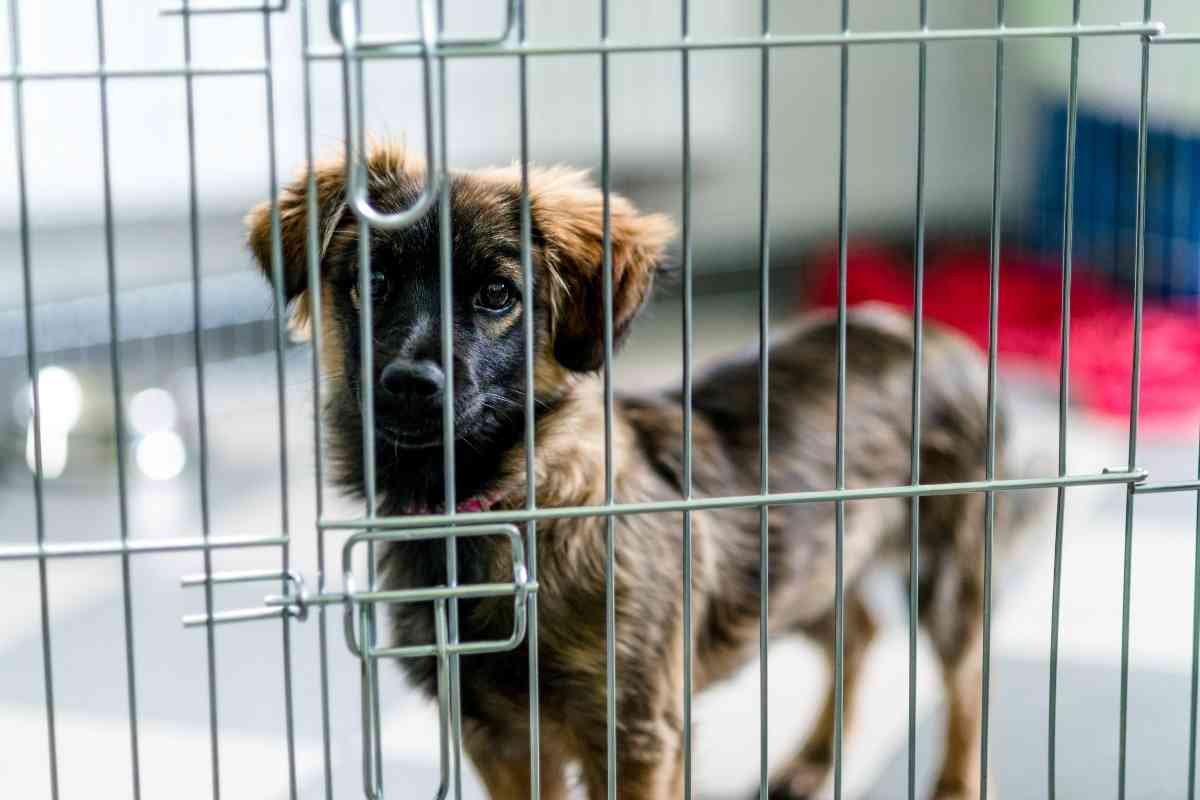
<point>1106,200</point>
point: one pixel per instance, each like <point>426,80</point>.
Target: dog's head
<point>488,314</point>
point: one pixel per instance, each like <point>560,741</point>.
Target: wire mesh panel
<point>302,597</point>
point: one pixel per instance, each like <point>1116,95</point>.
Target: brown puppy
<point>489,384</point>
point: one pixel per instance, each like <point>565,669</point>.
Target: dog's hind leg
<point>805,772</point>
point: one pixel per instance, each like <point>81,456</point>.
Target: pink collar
<point>470,506</point>
<point>475,504</point>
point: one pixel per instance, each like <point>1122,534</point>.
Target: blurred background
<point>152,249</point>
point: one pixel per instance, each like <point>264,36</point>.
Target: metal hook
<point>344,25</point>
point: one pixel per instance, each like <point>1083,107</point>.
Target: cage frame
<point>434,48</point>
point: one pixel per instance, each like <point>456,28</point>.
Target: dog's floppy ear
<point>568,212</point>
<point>293,231</point>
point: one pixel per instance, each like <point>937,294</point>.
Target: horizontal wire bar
<point>84,73</point>
<point>1174,486</point>
<point>225,8</point>
<point>506,33</point>
<point>245,615</point>
<point>133,547</point>
<point>243,576</point>
<point>741,501</point>
<point>467,591</point>
<point>367,43</point>
<point>448,50</point>
<point>1176,38</point>
<point>456,648</point>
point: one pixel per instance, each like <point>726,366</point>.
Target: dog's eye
<point>379,288</point>
<point>379,285</point>
<point>496,295</point>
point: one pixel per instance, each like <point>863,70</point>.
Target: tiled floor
<point>87,632</point>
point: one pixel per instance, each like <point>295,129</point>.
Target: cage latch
<point>296,600</point>
<point>297,608</point>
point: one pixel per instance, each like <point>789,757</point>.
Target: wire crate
<point>341,599</point>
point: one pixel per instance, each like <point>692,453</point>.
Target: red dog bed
<point>1101,355</point>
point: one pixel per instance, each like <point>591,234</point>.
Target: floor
<point>89,647</point>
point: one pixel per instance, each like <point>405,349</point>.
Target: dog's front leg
<point>649,763</point>
<point>649,753</point>
<point>502,759</point>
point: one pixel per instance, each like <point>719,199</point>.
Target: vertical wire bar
<point>686,224</point>
<point>1139,270</point>
<point>764,322</point>
<point>201,404</point>
<point>839,591</point>
<point>441,638</point>
<point>118,403</point>
<point>446,254</point>
<point>353,99</point>
<point>372,750</point>
<point>914,564</point>
<point>528,299</point>
<point>18,95</point>
<point>989,514</point>
<point>280,326</point>
<point>610,555</point>
<point>1063,398</point>
<point>312,212</point>
<point>1195,646</point>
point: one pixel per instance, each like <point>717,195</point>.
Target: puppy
<point>568,322</point>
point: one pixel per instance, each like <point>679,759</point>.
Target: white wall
<point>148,121</point>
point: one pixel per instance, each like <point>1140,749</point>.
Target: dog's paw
<point>956,791</point>
<point>802,781</point>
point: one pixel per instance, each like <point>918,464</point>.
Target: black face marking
<point>488,351</point>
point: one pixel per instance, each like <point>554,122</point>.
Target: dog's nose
<point>403,379</point>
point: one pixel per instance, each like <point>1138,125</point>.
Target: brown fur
<point>567,216</point>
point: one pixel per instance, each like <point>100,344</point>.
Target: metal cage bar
<point>112,73</point>
<point>1107,476</point>
<point>313,271</point>
<point>201,403</point>
<point>1195,688</point>
<point>445,255</point>
<point>280,337</point>
<point>110,263</point>
<point>528,295</point>
<point>914,560</point>
<point>610,532</point>
<point>117,547</point>
<point>18,106</point>
<point>764,322</point>
<point>1139,270</point>
<point>989,467</point>
<point>1147,28</point>
<point>265,8</point>
<point>688,304</point>
<point>1068,228</point>
<point>839,537</point>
